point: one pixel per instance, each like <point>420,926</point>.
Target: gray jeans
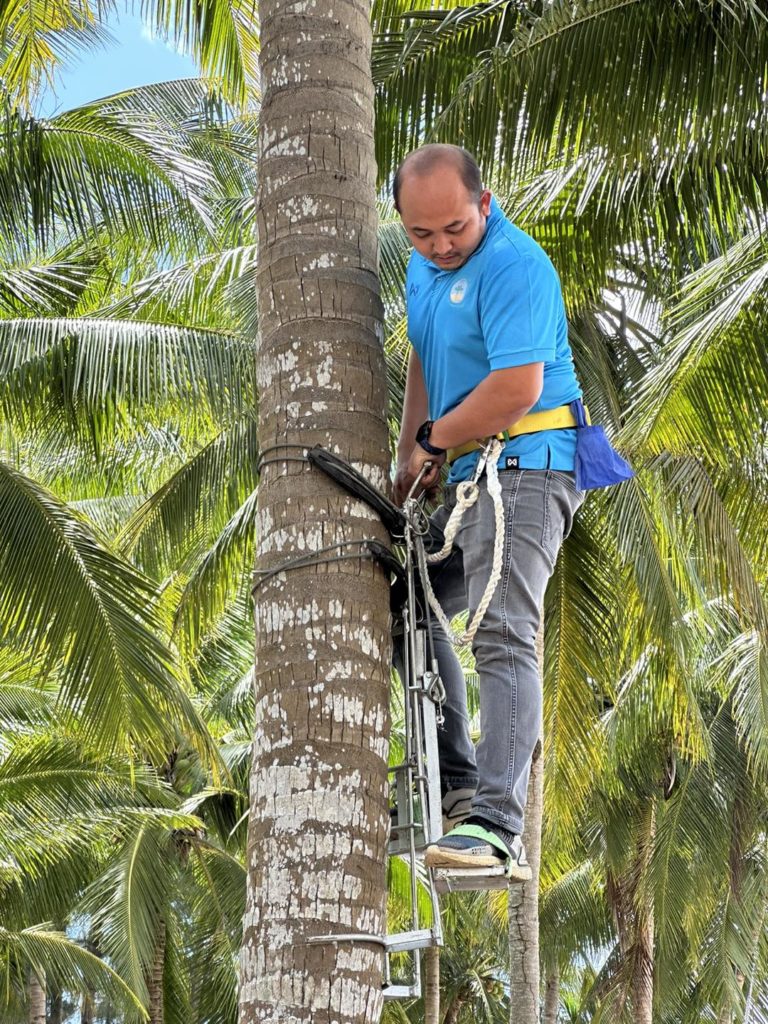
<point>538,510</point>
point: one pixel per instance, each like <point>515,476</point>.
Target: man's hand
<point>408,471</point>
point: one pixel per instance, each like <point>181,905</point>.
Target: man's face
<point>441,218</point>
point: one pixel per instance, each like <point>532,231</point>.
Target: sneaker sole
<point>438,858</point>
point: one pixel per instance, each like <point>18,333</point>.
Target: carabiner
<point>480,467</point>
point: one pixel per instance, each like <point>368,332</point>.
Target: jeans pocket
<point>561,500</point>
<point>568,480</point>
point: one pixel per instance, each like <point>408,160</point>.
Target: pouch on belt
<point>598,464</point>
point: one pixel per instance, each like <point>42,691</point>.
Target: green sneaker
<point>475,845</point>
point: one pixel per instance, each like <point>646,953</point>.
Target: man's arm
<point>415,408</point>
<point>415,411</point>
<point>498,401</point>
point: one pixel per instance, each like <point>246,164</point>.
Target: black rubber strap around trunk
<point>356,484</point>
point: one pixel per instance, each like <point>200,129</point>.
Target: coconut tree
<point>318,821</point>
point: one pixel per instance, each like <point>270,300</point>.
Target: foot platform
<point>469,879</point>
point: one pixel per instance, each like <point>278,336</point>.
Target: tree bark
<point>643,937</point>
<point>524,899</point>
<point>455,1007</point>
<point>432,985</point>
<point>524,910</point>
<point>318,814</point>
<point>642,976</point>
<point>155,980</point>
<point>35,999</point>
<point>551,998</point>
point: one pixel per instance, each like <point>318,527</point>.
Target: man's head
<point>442,204</point>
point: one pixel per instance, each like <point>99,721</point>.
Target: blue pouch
<point>598,464</point>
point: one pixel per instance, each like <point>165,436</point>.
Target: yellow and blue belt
<point>558,418</point>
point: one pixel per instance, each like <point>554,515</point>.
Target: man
<point>490,348</point>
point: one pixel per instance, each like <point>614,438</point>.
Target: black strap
<point>355,483</point>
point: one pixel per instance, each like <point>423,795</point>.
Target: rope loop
<point>466,495</point>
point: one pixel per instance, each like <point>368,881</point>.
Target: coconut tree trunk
<point>551,998</point>
<point>35,999</point>
<point>524,909</point>
<point>456,1006</point>
<point>432,985</point>
<point>155,979</point>
<point>318,812</point>
<point>642,975</point>
<point>524,899</point>
<point>643,932</point>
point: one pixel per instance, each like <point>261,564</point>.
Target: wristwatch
<point>422,438</point>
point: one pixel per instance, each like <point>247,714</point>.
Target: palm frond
<point>76,169</point>
<point>26,701</point>
<point>39,38</point>
<point>106,363</point>
<point>134,894</point>
<point>223,571</point>
<point>511,109</point>
<point>580,646</point>
<point>55,957</point>
<point>91,614</point>
<point>710,379</point>
<point>223,38</point>
<point>219,476</point>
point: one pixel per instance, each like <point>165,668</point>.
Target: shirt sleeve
<point>520,303</point>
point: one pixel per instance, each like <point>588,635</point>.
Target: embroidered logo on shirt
<point>459,290</point>
<point>512,462</point>
<point>413,290</point>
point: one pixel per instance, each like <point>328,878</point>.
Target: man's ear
<point>485,202</point>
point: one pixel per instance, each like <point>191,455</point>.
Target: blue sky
<point>134,58</point>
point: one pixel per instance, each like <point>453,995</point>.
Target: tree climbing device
<point>416,817</point>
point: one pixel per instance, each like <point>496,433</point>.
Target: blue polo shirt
<point>502,308</point>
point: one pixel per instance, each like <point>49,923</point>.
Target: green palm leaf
<point>118,362</point>
<point>223,570</point>
<point>220,475</point>
<point>131,898</point>
<point>60,960</point>
<point>581,635</point>
<point>37,38</point>
<point>83,609</point>
<point>26,702</point>
<point>76,170</point>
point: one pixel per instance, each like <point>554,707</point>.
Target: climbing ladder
<point>417,815</point>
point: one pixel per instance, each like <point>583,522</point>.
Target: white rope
<point>466,496</point>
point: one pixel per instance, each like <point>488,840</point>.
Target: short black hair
<point>426,158</point>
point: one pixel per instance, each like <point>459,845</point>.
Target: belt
<point>558,418</point>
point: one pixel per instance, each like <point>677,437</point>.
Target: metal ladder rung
<point>401,942</point>
<point>402,991</point>
<point>469,879</point>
